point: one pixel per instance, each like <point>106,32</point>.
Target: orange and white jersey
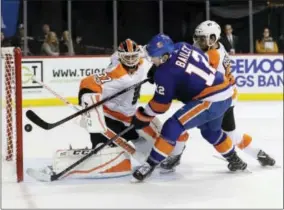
<point>121,79</point>
<point>220,60</point>
<point>114,79</point>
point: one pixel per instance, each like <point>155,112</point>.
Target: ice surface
<point>201,181</point>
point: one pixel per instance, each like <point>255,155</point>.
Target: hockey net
<point>11,115</point>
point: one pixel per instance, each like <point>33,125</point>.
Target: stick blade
<point>37,120</point>
<point>38,175</point>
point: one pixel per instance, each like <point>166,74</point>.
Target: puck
<point>28,127</point>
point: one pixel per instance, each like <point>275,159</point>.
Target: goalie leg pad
<point>109,162</point>
<point>93,120</point>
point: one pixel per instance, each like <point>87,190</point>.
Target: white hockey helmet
<point>207,29</point>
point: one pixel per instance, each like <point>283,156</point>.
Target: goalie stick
<point>47,126</point>
<point>54,177</point>
<point>123,144</point>
<point>64,100</point>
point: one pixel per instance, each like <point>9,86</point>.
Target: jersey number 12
<point>209,78</point>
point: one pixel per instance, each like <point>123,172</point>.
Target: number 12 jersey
<point>187,76</point>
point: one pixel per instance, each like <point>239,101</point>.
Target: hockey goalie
<point>128,67</point>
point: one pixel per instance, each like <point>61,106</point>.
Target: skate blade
<point>271,167</point>
<point>223,159</point>
<point>266,167</point>
<point>241,171</point>
<point>167,171</point>
<point>133,180</point>
<point>38,175</point>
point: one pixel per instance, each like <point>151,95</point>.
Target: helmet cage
<point>129,59</point>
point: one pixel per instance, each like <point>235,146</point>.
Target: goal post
<point>11,115</point>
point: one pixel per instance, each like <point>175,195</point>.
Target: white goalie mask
<point>207,34</point>
<point>129,53</point>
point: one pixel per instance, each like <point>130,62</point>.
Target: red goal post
<point>11,115</point>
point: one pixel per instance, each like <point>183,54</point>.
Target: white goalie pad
<point>109,162</point>
<point>93,121</point>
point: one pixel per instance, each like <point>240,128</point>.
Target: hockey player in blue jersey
<point>183,73</point>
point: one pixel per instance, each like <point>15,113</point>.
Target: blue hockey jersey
<point>187,76</point>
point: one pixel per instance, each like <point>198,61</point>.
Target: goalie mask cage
<point>11,112</point>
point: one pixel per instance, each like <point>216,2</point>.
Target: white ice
<point>201,181</point>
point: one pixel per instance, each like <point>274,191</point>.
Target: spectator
<point>18,39</point>
<point>230,41</point>
<point>281,43</point>
<point>4,42</point>
<point>266,44</point>
<point>50,45</point>
<point>79,46</point>
<point>66,44</point>
<point>45,31</point>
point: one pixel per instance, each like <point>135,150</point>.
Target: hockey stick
<point>64,100</point>
<point>59,175</point>
<point>121,143</point>
<point>47,126</point>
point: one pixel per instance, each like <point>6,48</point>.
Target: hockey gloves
<point>140,119</point>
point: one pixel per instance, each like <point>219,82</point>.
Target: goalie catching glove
<point>141,119</point>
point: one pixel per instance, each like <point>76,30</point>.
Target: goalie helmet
<point>129,53</point>
<point>207,34</point>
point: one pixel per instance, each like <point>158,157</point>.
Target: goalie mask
<point>206,34</point>
<point>129,54</point>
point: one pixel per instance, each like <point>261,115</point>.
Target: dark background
<point>139,20</point>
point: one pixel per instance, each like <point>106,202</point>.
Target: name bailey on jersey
<point>183,56</point>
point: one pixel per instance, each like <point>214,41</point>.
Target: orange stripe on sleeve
<point>117,72</point>
<point>214,58</point>
<point>194,111</point>
<point>213,89</point>
<point>158,107</point>
<point>90,83</point>
<point>225,146</point>
<point>163,146</point>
